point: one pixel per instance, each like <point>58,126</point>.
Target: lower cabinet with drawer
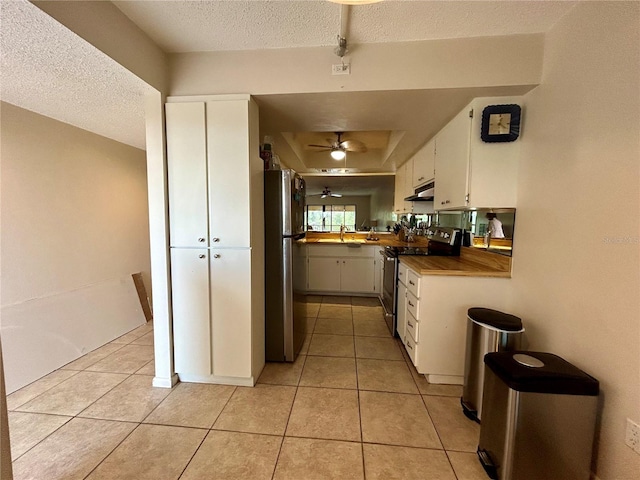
<point>432,318</point>
<point>342,269</point>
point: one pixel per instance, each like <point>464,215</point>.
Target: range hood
<point>422,194</point>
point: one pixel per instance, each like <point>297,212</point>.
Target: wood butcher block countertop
<point>470,263</point>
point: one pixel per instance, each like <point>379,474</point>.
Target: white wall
<point>457,63</point>
<point>382,207</point>
<point>576,265</point>
<point>74,229</point>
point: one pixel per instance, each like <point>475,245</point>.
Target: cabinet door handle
<point>216,255</point>
<point>202,255</point>
<point>216,239</point>
<point>409,346</point>
<point>410,324</point>
<point>409,302</point>
<point>343,262</point>
<point>421,178</point>
<point>447,201</point>
<point>411,283</point>
<point>201,239</point>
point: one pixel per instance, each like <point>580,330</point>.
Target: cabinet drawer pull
<point>411,283</point>
<point>420,179</point>
<point>216,255</point>
<point>216,239</point>
<point>201,239</point>
<point>202,255</point>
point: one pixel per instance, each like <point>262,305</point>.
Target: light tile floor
<point>350,407</point>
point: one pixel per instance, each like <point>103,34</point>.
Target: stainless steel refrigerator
<point>285,282</point>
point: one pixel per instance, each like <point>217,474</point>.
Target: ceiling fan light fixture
<point>338,154</point>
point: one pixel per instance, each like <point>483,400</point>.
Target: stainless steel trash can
<point>487,331</point>
<point>539,416</point>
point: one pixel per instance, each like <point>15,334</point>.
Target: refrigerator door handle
<point>287,295</point>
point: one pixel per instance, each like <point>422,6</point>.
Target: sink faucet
<point>342,230</point>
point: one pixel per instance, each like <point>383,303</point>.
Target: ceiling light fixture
<point>338,154</point>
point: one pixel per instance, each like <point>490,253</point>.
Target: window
<point>329,218</point>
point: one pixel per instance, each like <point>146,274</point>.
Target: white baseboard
<point>219,380</point>
<point>163,382</point>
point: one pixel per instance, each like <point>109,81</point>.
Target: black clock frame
<point>514,126</point>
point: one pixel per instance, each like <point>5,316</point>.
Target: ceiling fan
<point>326,193</point>
<point>339,147</point>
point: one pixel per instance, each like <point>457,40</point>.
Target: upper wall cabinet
<point>403,188</point>
<point>424,163</point>
<point>210,147</point>
<point>469,172</point>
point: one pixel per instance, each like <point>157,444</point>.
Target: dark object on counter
<point>539,416</point>
<point>388,228</point>
<point>487,331</point>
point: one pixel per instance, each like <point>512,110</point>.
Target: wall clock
<point>500,123</point>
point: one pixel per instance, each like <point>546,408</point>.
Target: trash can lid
<point>540,372</point>
<point>496,319</point>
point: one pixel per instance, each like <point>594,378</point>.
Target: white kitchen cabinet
<point>424,164</point>
<point>434,324</point>
<point>357,275</point>
<point>401,316</point>
<point>469,172</point>
<point>230,311</point>
<point>324,274</point>
<point>187,172</point>
<point>452,163</point>
<point>399,196</point>
<point>342,269</point>
<point>191,314</point>
<point>216,200</point>
<point>403,188</point>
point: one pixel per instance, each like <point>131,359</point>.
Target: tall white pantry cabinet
<point>216,204</point>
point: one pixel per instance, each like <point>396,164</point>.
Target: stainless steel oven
<point>389,287</point>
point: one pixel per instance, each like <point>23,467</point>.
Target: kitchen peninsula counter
<point>470,263</point>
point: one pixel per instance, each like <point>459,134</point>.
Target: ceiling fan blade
<point>324,195</point>
<point>354,146</point>
<point>337,195</point>
<point>321,146</point>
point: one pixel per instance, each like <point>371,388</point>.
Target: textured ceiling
<point>253,25</point>
<point>47,69</point>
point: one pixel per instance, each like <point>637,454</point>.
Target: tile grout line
<point>42,393</point>
<point>38,443</point>
<point>364,470</point>
<point>194,454</point>
<point>112,450</point>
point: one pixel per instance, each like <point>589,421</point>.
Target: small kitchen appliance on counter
<point>442,241</point>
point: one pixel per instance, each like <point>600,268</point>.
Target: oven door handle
<point>387,257</point>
